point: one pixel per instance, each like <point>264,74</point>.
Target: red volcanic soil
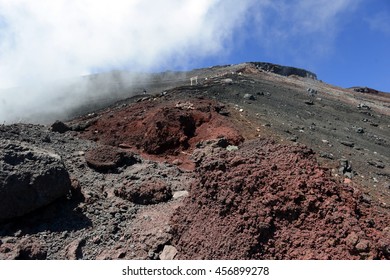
<point>272,201</point>
<point>166,131</point>
<point>263,201</point>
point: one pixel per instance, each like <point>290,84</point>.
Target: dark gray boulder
<point>29,178</point>
<point>60,127</point>
<point>249,96</point>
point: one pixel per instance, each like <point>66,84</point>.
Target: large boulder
<point>29,178</point>
<point>108,158</point>
<point>60,127</point>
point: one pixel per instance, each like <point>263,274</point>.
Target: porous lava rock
<point>384,242</point>
<point>273,201</point>
<point>107,158</point>
<point>149,192</point>
<point>171,130</point>
<point>29,178</point>
<point>163,129</point>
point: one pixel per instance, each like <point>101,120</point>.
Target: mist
<point>50,51</point>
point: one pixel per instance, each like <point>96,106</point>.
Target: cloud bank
<point>43,41</point>
<point>55,39</point>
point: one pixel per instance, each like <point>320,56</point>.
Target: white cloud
<point>318,16</point>
<point>58,38</point>
<point>302,29</point>
<point>41,40</point>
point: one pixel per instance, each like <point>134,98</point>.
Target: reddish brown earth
<point>272,201</point>
<point>164,131</point>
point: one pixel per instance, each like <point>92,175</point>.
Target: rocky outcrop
<point>284,70</point>
<point>365,90</point>
<point>29,178</point>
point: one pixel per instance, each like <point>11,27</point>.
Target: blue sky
<point>345,42</point>
<point>353,49</point>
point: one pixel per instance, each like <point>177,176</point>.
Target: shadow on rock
<point>61,216</point>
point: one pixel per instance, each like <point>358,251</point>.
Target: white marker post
<point>194,80</point>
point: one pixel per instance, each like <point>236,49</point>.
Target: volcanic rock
<point>346,168</point>
<point>360,130</point>
<point>169,252</point>
<point>60,127</point>
<point>309,102</point>
<point>29,178</point>
<point>150,192</point>
<point>164,130</point>
<point>363,106</point>
<point>384,242</point>
<point>249,96</point>
<point>232,148</point>
<point>74,249</point>
<point>365,90</point>
<point>363,246</point>
<point>377,164</point>
<point>25,249</point>
<point>284,70</point>
<point>228,81</point>
<point>108,158</point>
<point>347,143</point>
<point>271,201</point>
<point>180,194</point>
<point>351,240</point>
<point>311,91</point>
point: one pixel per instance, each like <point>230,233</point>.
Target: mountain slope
<point>297,167</point>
